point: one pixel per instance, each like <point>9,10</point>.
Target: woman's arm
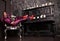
<point>15,22</point>
<point>7,20</point>
<point>18,20</point>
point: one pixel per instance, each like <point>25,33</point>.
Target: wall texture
<point>23,4</point>
<point>2,7</point>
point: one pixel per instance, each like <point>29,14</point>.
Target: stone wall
<point>57,14</point>
<point>2,7</point>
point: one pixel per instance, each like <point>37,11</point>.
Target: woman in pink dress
<point>7,19</point>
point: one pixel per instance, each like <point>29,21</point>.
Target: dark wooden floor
<point>31,38</point>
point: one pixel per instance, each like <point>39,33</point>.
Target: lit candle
<point>34,17</point>
<point>43,4</point>
<point>50,3</point>
<point>37,17</point>
<point>46,4</point>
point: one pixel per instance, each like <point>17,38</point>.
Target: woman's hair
<point>5,15</point>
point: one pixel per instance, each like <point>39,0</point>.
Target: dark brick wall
<point>57,13</point>
<point>1,7</point>
<point>8,6</point>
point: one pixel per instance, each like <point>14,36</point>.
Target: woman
<point>7,19</point>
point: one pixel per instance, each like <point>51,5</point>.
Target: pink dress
<point>12,23</point>
<point>16,21</point>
